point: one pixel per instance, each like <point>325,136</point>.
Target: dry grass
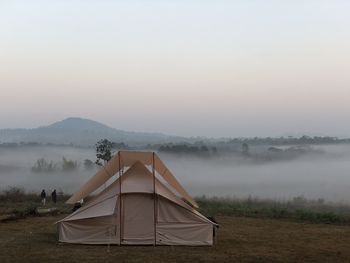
<point>240,239</point>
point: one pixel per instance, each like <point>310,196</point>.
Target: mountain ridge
<point>81,132</point>
<point>77,123</point>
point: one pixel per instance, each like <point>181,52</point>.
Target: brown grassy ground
<point>240,240</point>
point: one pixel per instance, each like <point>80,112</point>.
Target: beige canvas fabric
<point>125,159</point>
<point>146,212</point>
<point>172,227</point>
<point>138,179</point>
<point>138,219</point>
<point>128,158</point>
<point>98,230</point>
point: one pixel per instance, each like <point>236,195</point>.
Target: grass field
<point>251,230</point>
<point>240,239</point>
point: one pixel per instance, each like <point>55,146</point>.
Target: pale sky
<point>209,68</point>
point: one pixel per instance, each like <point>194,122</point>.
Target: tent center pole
<point>154,200</point>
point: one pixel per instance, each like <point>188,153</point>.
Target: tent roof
<point>126,159</point>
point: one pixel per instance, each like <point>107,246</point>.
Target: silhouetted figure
<point>43,197</point>
<point>54,196</point>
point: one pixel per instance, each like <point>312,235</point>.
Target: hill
<point>81,132</point>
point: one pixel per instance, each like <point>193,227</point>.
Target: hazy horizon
<point>187,68</point>
<point>167,134</point>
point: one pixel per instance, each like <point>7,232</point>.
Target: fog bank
<point>323,175</point>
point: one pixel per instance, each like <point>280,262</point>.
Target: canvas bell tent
<point>143,205</point>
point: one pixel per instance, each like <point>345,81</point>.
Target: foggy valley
<point>323,172</point>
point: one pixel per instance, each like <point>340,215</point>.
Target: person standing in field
<point>43,197</point>
<point>54,196</point>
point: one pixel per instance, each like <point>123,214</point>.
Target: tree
<point>103,151</point>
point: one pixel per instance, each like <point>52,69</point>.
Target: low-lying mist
<point>16,168</point>
<point>323,175</point>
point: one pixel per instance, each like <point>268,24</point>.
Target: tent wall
<point>105,207</point>
<point>138,219</point>
<point>179,226</point>
<point>175,225</point>
<point>99,230</point>
<point>184,234</point>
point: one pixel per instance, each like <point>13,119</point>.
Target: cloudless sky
<point>212,68</point>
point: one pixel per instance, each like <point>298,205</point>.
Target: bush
<point>41,165</point>
<point>69,165</point>
<point>14,194</point>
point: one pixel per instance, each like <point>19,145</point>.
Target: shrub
<point>69,165</point>
<point>41,165</point>
<point>15,194</point>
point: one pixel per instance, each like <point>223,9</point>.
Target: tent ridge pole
<point>154,200</point>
